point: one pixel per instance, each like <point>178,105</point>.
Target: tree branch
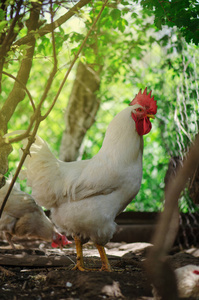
<point>48,27</point>
<point>23,85</point>
<point>75,58</point>
<point>26,151</point>
<point>9,38</point>
<point>54,70</point>
<point>17,94</point>
<point>158,269</point>
<point>37,114</point>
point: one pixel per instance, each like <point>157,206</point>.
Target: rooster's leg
<point>105,263</point>
<point>80,263</point>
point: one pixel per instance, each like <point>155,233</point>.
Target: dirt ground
<point>36,271</point>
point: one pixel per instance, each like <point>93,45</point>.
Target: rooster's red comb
<point>145,101</point>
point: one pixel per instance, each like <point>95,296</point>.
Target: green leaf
<point>115,14</point>
<point>3,24</point>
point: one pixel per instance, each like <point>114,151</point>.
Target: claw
<point>80,263</point>
<point>80,268</point>
<point>105,263</point>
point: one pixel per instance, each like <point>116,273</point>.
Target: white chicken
<point>187,278</point>
<point>22,217</point>
<point>86,196</point>
<point>188,281</point>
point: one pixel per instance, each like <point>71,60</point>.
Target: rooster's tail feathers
<point>42,171</point>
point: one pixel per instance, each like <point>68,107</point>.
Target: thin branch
<point>165,13</point>
<point>9,38</point>
<point>23,86</point>
<point>31,140</point>
<point>75,59</point>
<point>48,27</point>
<point>167,227</point>
<point>17,94</point>
<point>37,113</point>
<point>54,70</point>
<point>19,137</point>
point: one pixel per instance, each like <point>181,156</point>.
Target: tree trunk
<point>81,111</point>
<point>17,94</point>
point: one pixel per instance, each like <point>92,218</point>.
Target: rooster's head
<point>145,110</point>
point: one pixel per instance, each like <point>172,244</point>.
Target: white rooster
<point>86,196</point>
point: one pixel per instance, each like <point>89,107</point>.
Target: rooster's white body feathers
<point>86,196</point>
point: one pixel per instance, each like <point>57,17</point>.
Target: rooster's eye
<point>139,109</point>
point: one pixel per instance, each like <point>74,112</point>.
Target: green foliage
<point>180,13</point>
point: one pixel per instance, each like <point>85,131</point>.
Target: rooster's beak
<point>150,116</point>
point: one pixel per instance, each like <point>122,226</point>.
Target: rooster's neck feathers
<point>121,134</point>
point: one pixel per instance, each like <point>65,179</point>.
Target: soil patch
<point>39,272</point>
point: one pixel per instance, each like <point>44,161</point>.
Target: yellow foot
<point>80,268</point>
<point>105,263</point>
<point>83,268</point>
<point>106,268</point>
